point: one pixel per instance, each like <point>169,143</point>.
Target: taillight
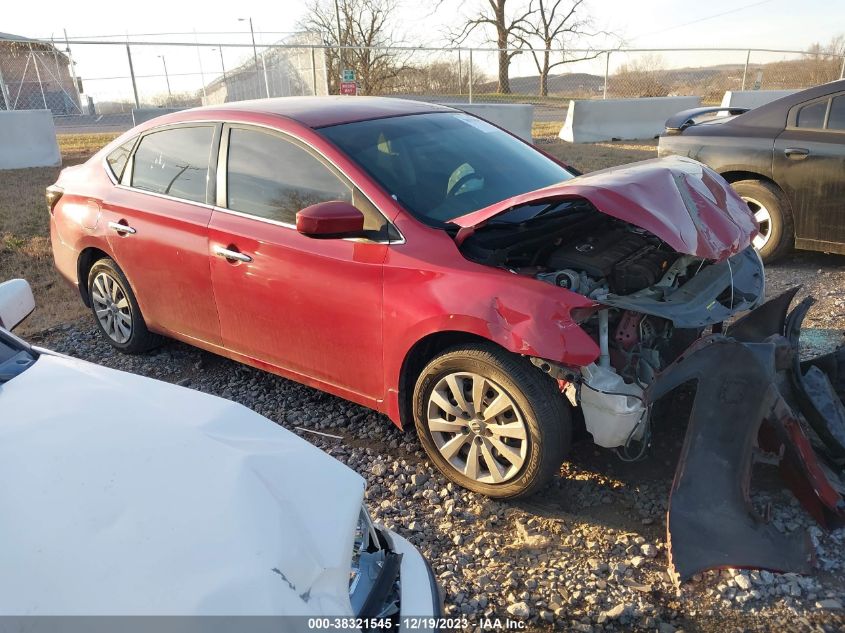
<point>54,194</point>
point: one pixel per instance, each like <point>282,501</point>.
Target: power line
<point>125,35</point>
<point>708,17</point>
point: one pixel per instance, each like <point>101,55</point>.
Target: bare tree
<point>642,77</point>
<point>556,24</point>
<point>506,27</point>
<point>359,33</point>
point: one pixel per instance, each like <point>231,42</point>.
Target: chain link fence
<point>92,85</point>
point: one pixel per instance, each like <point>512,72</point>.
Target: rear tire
<point>512,444</point>
<point>774,214</point>
<point>116,311</point>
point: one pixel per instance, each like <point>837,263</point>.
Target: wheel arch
<point>735,175</point>
<point>418,356</point>
<point>86,260</point>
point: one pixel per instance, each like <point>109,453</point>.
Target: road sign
<point>348,75</point>
<point>348,88</point>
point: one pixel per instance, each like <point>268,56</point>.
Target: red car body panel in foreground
<point>342,315</point>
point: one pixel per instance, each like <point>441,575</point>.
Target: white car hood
<point>125,495</point>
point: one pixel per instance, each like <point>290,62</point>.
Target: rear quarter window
<point>811,116</point>
<point>836,119</point>
<point>117,159</point>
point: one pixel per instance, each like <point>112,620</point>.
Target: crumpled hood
<point>124,495</point>
<point>681,201</point>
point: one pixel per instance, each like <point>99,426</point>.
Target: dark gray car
<point>786,159</point>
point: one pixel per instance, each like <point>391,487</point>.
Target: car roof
<point>773,113</point>
<point>316,112</point>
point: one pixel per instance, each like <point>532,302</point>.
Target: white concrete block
<point>752,98</point>
<point>142,115</point>
<point>28,139</point>
<point>593,120</point>
<point>516,118</point>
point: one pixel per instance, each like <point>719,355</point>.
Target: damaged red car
<point>422,262</point>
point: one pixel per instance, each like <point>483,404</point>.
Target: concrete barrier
<point>28,139</point>
<point>516,118</point>
<point>142,115</point>
<point>752,98</point>
<point>593,120</point>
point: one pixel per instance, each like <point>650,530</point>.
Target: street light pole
<point>166,76</point>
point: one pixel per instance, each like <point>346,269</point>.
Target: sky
<point>642,23</point>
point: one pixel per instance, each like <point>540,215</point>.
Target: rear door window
<point>273,178</point>
<point>174,162</point>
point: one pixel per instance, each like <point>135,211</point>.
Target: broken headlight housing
<point>366,540</point>
<point>374,571</point>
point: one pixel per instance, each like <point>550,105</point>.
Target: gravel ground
<point>586,554</point>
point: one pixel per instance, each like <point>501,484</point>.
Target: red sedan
<point>413,259</point>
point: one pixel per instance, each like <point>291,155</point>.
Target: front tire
<point>774,215</point>
<point>490,421</point>
<point>116,311</point>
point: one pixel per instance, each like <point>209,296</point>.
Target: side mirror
<point>16,302</point>
<point>330,219</point>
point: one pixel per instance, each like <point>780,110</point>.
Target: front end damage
<point>754,401</point>
<point>663,250</point>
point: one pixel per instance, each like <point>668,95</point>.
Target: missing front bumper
<point>753,394</point>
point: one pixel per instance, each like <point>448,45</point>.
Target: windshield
<point>443,165</point>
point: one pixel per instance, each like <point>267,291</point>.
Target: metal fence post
<point>132,75</point>
<point>72,70</point>
<point>4,92</point>
<point>470,75</point>
<point>606,73</point>
<point>202,72</point>
<point>313,72</point>
<point>264,66</point>
<point>38,76</point>
<point>460,75</point>
<point>745,70</point>
<point>842,70</point>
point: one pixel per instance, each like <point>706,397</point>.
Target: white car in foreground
<point>124,495</point>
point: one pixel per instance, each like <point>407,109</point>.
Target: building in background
<point>294,66</point>
<point>35,75</point>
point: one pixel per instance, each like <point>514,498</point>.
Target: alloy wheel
<point>112,308</point>
<point>477,427</point>
<point>764,219</point>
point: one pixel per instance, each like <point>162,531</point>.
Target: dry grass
<point>78,147</point>
<point>592,156</point>
<point>25,228</point>
<point>25,234</point>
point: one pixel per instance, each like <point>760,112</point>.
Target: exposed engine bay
<point>650,302</point>
<point>661,319</point>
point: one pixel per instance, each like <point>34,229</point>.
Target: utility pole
<point>166,76</point>
<point>132,76</point>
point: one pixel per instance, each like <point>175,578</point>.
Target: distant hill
<point>710,82</point>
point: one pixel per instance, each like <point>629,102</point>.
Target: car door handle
<point>225,253</point>
<point>124,229</point>
<point>796,153</point>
